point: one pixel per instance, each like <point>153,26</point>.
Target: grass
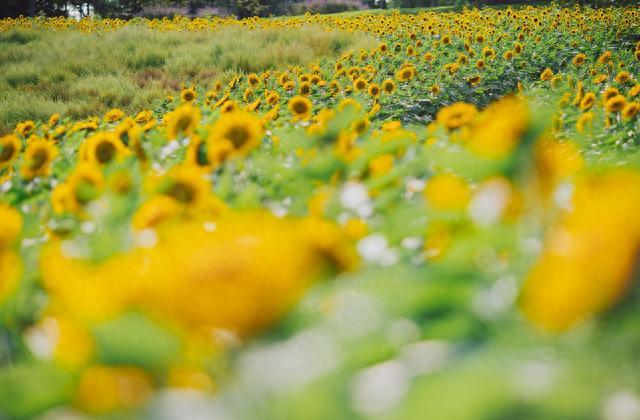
<point>79,75</point>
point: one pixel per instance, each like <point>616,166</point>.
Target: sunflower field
<point>442,223</point>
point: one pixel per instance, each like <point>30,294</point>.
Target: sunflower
<point>185,184</point>
<point>305,88</point>
<point>435,89</point>
<point>609,93</point>
<point>273,98</point>
<point>630,110</point>
<point>143,117</point>
<point>155,211</point>
<point>10,146</point>
<point>615,103</point>
<point>37,158</point>
<point>248,95</point>
<point>456,115</point>
<point>488,52</point>
<point>623,77</point>
<point>587,101</point>
<point>102,148</point>
<point>405,74</point>
<point>182,121</point>
<point>474,80</point>
<point>54,119</point>
<point>579,59</point>
<point>374,90</point>
<point>253,79</point>
<point>547,74</point>
<point>359,84</point>
<point>388,86</point>
<point>334,87</point>
<point>84,185</point>
<point>113,115</point>
<point>585,120</point>
<point>605,57</point>
<point>600,79</point>
<point>188,95</point>
<point>300,107</point>
<point>361,126</point>
<point>452,68</point>
<point>518,47</point>
<point>243,130</point>
<point>25,128</point>
<point>228,106</point>
<point>349,103</point>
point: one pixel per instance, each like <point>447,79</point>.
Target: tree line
<point>239,8</point>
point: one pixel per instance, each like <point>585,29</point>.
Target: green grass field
<point>43,72</point>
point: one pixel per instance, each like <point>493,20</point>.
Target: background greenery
<point>44,72</point>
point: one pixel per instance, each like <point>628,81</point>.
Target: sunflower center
<point>39,158</point>
<point>6,152</point>
<point>182,192</point>
<point>105,151</point>
<point>238,135</point>
<point>299,107</point>
<point>184,122</point>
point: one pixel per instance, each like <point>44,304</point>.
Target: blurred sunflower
<point>10,146</point>
<point>37,158</point>
<point>243,130</point>
<point>300,107</point>
<point>182,121</point>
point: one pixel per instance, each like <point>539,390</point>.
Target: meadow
<point>361,215</point>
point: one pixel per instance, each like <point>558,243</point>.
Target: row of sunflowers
<point>466,191</point>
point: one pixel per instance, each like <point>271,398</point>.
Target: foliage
<point>83,75</point>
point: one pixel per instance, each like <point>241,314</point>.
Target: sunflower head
<point>579,59</point>
<point>359,84</point>
<point>630,110</point>
<point>188,95</point>
<point>388,86</point>
<point>113,115</point>
<point>300,107</point>
<point>155,211</point>
<point>374,90</point>
<point>456,115</point>
<point>25,128</point>
<point>37,158</point>
<point>474,80</point>
<point>253,79</point>
<point>185,184</point>
<point>228,106</point>
<point>10,146</point>
<point>241,129</point>
<point>182,121</point>
<point>615,103</point>
<point>103,148</point>
<point>84,185</point>
<point>405,73</point>
<point>305,88</point>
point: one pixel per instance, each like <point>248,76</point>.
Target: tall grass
<point>42,72</point>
